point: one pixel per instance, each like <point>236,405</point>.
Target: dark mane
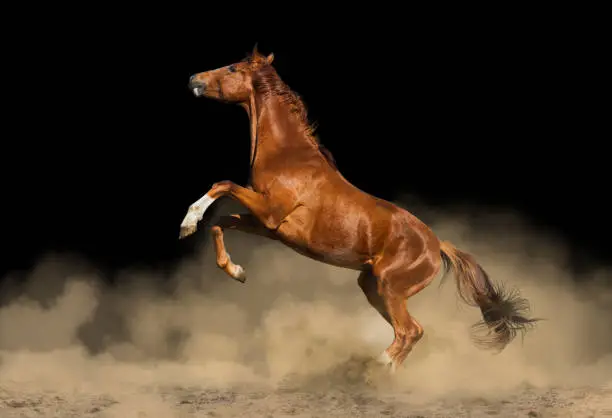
<point>267,82</point>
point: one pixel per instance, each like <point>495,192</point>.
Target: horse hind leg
<point>369,284</point>
<point>371,287</point>
<point>396,286</point>
<point>381,300</point>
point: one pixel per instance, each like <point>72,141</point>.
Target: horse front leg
<point>240,222</point>
<point>255,202</point>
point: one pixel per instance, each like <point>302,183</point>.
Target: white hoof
<point>187,230</point>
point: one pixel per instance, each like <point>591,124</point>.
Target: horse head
<point>232,83</point>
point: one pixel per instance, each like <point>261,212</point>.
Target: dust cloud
<point>296,320</point>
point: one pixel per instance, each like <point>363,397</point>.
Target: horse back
<point>329,219</point>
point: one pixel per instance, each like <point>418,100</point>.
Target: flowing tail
<point>504,312</point>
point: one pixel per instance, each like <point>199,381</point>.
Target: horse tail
<point>504,312</point>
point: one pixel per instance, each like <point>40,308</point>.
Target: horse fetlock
<point>223,261</point>
<point>195,213</point>
<point>235,271</point>
<point>238,273</point>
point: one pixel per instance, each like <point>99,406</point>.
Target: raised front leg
<point>240,222</point>
<point>256,203</point>
<point>194,215</point>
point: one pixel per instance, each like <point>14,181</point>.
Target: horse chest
<point>280,188</point>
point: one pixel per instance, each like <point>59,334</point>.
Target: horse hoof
<point>239,273</point>
<point>377,373</point>
<point>385,359</point>
<point>187,230</point>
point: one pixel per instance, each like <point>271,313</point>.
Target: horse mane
<point>268,83</point>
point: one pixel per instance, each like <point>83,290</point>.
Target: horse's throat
<point>254,118</point>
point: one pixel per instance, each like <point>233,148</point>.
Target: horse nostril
<point>193,83</point>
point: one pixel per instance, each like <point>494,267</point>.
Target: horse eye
<point>232,69</point>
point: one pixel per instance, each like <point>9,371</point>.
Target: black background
<point>105,147</point>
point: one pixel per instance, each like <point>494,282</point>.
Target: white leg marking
<point>384,358</point>
<point>393,368</point>
<point>194,215</point>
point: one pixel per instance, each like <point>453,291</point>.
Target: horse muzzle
<point>197,87</point>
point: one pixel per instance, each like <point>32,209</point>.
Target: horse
<point>297,195</point>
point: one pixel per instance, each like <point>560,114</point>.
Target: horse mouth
<point>197,92</point>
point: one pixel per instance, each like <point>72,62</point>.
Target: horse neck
<point>274,129</point>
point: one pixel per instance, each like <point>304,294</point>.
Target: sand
<point>294,340</point>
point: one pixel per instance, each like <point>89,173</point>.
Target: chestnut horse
<point>297,196</point>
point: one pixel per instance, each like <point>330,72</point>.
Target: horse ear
<point>270,58</point>
<point>255,52</point>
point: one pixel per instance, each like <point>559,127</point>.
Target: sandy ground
<point>293,340</point>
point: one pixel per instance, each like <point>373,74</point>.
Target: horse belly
<point>298,231</point>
